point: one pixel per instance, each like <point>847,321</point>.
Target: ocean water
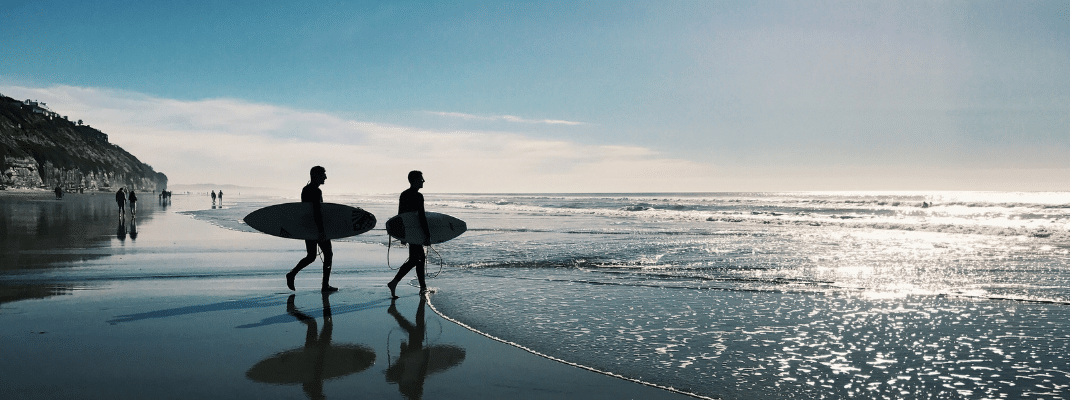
<point>763,295</point>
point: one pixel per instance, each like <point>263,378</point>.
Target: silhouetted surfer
<point>312,194</point>
<point>412,200</point>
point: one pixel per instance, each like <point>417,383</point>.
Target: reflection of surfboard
<point>311,364</point>
<point>443,357</point>
<point>426,361</point>
<point>406,228</point>
<point>294,221</point>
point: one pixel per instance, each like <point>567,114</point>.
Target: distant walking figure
<point>312,194</point>
<point>133,203</point>
<point>120,199</point>
<point>213,196</point>
<point>220,197</point>
<point>412,200</point>
<point>59,193</point>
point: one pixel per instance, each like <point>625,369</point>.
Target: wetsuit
<point>412,200</point>
<point>312,194</point>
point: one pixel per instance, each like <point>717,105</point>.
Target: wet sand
<point>166,306</point>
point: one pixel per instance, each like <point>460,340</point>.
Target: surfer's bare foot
<point>290,280</point>
<point>392,285</point>
<point>328,289</point>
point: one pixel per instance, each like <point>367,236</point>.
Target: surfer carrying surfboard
<point>411,200</point>
<point>312,194</point>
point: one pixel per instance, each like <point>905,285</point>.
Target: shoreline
<point>188,296</point>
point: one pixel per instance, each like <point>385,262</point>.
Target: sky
<point>593,96</point>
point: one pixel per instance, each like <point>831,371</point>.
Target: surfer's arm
<point>420,215</point>
<point>317,215</point>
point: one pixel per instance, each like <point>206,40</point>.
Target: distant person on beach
<point>312,194</point>
<point>411,200</point>
<point>120,199</point>
<point>59,193</point>
<point>220,197</point>
<point>133,203</point>
<point>213,196</point>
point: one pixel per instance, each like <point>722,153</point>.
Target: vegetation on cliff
<point>40,148</point>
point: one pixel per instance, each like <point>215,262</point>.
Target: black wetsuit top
<point>411,200</point>
<point>311,194</point>
<point>120,197</point>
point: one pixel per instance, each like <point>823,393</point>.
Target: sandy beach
<point>166,306</point>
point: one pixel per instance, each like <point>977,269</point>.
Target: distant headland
<point>39,148</point>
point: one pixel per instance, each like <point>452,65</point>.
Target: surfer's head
<point>318,175</point>
<point>416,178</point>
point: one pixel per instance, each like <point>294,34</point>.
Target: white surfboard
<point>294,221</point>
<point>406,228</point>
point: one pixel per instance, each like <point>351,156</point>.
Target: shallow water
<point>769,295</point>
<point>184,302</point>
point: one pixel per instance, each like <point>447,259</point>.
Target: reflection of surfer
<point>418,360</point>
<point>312,194</point>
<point>410,370</point>
<point>319,360</point>
<point>120,232</point>
<point>317,345</point>
<point>411,200</point>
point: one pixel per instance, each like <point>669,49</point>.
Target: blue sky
<point>559,96</point>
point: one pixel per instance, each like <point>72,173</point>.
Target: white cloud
<point>509,118</point>
<point>461,115</point>
<point>229,141</point>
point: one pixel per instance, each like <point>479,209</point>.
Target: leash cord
<point>441,261</point>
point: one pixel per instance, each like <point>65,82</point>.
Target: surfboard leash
<point>389,243</point>
<point>441,261</point>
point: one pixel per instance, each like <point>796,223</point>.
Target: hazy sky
<point>563,96</point>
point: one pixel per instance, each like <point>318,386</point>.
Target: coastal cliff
<point>41,149</point>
